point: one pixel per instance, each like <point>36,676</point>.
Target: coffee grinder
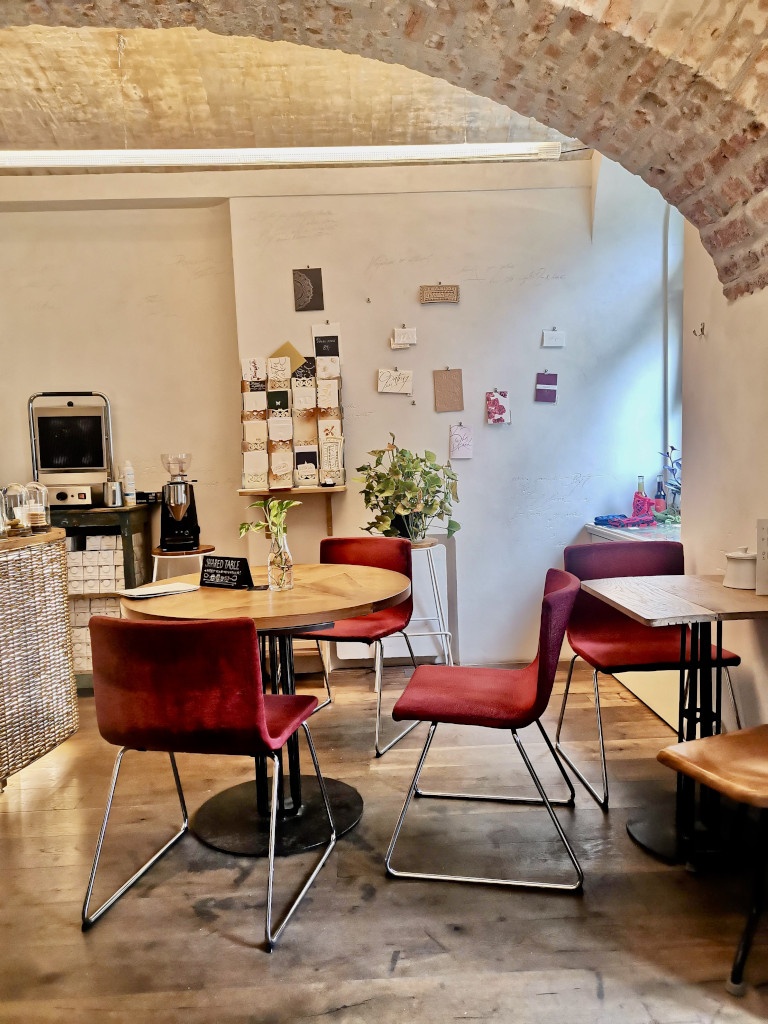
<point>179,530</point>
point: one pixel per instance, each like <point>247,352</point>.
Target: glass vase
<point>279,564</point>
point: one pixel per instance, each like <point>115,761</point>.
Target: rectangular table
<point>686,601</point>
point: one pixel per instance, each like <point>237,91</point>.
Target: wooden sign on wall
<point>438,293</point>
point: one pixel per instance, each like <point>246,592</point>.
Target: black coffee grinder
<point>179,530</point>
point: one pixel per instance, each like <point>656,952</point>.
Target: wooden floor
<point>643,943</point>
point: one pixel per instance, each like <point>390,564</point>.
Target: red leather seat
<point>382,553</point>
<point>612,642</point>
<point>495,699</point>
<point>191,687</point>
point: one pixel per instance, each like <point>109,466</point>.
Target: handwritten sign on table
<point>395,382</point>
<point>229,573</point>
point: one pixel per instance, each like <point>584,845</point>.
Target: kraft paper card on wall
<point>449,390</point>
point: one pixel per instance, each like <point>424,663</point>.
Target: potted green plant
<point>279,561</point>
<point>407,492</point>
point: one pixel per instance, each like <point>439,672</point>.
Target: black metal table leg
<point>237,819</point>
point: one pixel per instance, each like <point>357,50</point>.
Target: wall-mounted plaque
<point>438,293</point>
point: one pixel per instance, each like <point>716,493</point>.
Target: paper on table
<point>158,590</point>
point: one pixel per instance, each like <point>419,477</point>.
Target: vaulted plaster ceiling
<point>96,88</point>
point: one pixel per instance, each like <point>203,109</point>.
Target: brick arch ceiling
<point>674,90</point>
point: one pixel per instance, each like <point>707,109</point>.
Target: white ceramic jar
<point>741,569</point>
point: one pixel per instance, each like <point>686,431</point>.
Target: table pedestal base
<point>656,831</point>
<point>230,821</point>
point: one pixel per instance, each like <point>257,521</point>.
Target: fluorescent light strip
<point>86,158</point>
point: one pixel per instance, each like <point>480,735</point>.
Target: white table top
<point>675,600</point>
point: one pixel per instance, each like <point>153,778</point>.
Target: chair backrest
<point>618,558</point>
<point>379,552</point>
<point>179,686</point>
<point>560,592</point>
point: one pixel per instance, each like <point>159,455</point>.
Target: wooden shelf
<point>292,490</point>
<point>297,492</point>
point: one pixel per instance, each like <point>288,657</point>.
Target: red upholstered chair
<point>496,699</point>
<point>195,688</point>
<point>382,553</point>
<point>610,641</point>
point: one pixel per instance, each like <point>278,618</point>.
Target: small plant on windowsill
<point>279,561</point>
<point>408,492</point>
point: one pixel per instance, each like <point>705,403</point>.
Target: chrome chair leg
<point>407,639</point>
<point>329,699</point>
<point>378,661</point>
<point>601,801</point>
<point>570,802</point>
<point>482,880</point>
<point>732,695</point>
<point>272,937</point>
<point>445,636</point>
<point>89,921</point>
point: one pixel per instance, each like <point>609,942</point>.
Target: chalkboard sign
<point>230,573</point>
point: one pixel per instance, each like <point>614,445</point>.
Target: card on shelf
<point>328,394</point>
<point>255,435</point>
<point>306,461</point>
<point>328,428</point>
<point>328,367</point>
<point>278,367</point>
<point>280,429</point>
<point>278,402</point>
<point>254,368</point>
<point>305,395</point>
<point>255,401</point>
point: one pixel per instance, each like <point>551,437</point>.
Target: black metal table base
<point>230,820</point>
<point>656,831</point>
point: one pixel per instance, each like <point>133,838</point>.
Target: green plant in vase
<point>279,561</point>
<point>408,492</point>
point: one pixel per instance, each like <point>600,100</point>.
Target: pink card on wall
<point>497,407</point>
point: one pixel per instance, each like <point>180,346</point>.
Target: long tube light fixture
<point>282,157</point>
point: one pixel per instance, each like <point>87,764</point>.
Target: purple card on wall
<point>546,379</point>
<point>546,395</point>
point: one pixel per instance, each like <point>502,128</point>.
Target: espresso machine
<point>179,530</point>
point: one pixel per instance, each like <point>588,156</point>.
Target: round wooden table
<point>237,819</point>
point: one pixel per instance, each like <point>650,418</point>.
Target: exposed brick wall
<point>678,97</point>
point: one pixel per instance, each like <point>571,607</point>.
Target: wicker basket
<point>38,697</point>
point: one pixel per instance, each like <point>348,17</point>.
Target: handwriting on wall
<point>395,382</point>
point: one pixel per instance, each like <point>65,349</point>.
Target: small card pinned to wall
<point>229,573</point>
<point>326,339</point>
<point>546,388</point>
<point>403,337</point>
<point>460,442</point>
<point>553,338</point>
<point>308,290</point>
<point>395,382</point>
<point>449,390</point>
<point>497,407</point>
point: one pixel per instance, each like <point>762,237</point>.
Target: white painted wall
<point>526,259</point>
<point>137,304</point>
<point>140,302</point>
<point>725,383</point>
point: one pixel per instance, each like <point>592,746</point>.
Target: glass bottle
<point>660,497</point>
<point>641,486</point>
<point>39,507</point>
<point>280,563</point>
